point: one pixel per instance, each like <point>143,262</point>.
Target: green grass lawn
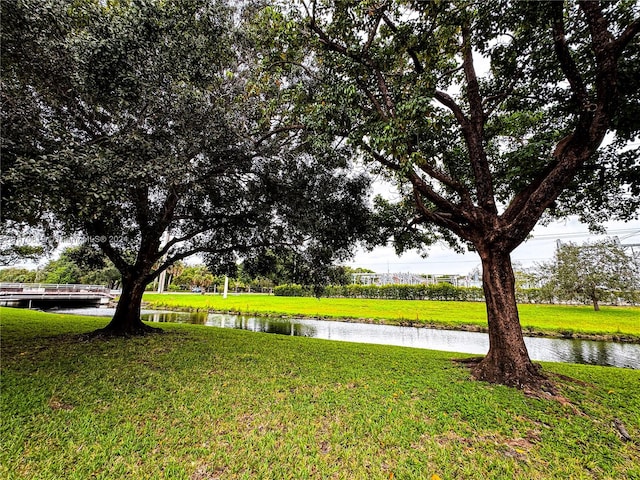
<point>206,403</point>
<point>617,321</point>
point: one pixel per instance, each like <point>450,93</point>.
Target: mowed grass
<point>559,319</point>
<point>206,403</point>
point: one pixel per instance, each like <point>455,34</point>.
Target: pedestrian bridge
<point>50,294</point>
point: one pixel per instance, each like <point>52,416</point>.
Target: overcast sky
<point>540,247</point>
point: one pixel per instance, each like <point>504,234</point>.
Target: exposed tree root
<point>110,331</point>
<point>562,400</point>
<point>513,372</point>
<point>531,380</point>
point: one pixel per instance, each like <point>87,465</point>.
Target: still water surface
<point>541,349</point>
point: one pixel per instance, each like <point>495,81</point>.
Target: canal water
<point>541,349</point>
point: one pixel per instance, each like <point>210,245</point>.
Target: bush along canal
<point>588,352</point>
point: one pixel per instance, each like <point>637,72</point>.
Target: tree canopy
<point>134,123</point>
<point>488,118</point>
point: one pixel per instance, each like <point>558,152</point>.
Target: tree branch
<point>168,208</point>
<point>563,54</point>
<point>474,130</point>
<point>336,47</point>
<point>447,208</point>
<point>442,177</point>
<point>373,32</point>
<point>576,148</point>
<point>382,85</point>
<point>113,254</point>
<point>187,253</point>
<point>449,72</point>
<point>418,184</point>
<point>450,103</point>
<point>174,241</point>
<point>275,131</point>
<point>413,53</point>
<point>437,218</point>
<point>379,157</point>
<point>372,99</point>
<point>140,196</point>
<point>307,70</point>
<point>597,23</point>
<point>625,37</point>
<point>473,87</point>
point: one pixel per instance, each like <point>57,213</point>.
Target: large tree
<point>488,116</point>
<point>132,123</point>
<point>593,272</point>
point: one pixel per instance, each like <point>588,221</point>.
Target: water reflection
<point>584,351</point>
<point>540,349</point>
<point>261,324</point>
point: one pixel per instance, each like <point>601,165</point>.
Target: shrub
<point>292,290</point>
<point>440,291</point>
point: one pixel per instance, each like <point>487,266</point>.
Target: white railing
<point>52,288</point>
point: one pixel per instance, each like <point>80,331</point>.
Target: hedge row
<point>439,291</point>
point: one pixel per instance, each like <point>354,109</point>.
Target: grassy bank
<point>206,403</point>
<point>551,319</point>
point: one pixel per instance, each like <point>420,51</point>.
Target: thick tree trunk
<point>126,319</point>
<point>507,361</point>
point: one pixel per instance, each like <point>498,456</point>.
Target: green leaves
<point>473,101</point>
<point>594,272</point>
<point>156,120</point>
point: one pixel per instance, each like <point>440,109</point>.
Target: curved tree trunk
<point>507,361</point>
<point>126,319</point>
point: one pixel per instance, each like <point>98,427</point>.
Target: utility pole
<point>163,275</point>
<point>226,287</point>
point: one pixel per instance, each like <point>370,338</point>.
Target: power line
<point>624,231</point>
<point>470,258</point>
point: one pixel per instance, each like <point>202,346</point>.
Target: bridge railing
<point>52,288</point>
